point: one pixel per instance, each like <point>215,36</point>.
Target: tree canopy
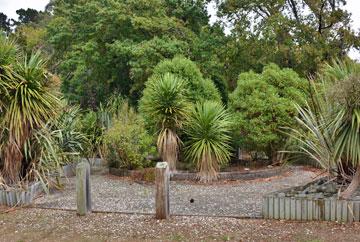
<point>296,34</point>
<point>4,23</point>
<point>107,46</point>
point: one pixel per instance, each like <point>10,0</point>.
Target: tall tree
<point>27,16</point>
<point>113,45</point>
<point>299,34</point>
<point>4,23</point>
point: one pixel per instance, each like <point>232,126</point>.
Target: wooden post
<point>162,180</point>
<point>83,193</point>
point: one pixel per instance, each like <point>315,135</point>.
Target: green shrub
<point>127,144</point>
<point>264,103</point>
<point>198,88</point>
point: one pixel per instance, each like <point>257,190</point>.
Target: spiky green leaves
<point>164,101</point>
<point>29,103</point>
<point>208,127</point>
<point>164,105</point>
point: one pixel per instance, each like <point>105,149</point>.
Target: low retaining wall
<point>97,166</point>
<point>234,175</point>
<point>191,176</point>
<point>14,197</point>
<point>307,208</point>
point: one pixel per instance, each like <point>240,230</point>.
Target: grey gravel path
<point>223,199</point>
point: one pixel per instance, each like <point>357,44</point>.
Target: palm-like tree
<point>208,127</point>
<point>164,104</point>
<point>28,102</point>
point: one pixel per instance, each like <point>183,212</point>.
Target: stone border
<point>277,206</point>
<point>191,176</point>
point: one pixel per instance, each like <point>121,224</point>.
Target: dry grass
<point>51,225</point>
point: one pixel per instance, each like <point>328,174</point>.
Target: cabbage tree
<point>164,105</point>
<point>208,129</point>
<point>28,103</point>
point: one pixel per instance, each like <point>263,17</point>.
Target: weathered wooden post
<point>83,193</point>
<point>162,180</point>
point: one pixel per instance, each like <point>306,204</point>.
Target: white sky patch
<point>353,6</point>
<point>9,7</point>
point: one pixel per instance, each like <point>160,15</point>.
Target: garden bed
<point>146,174</point>
<point>226,198</point>
<point>317,200</point>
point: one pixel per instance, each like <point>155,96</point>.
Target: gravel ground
<point>53,225</point>
<point>238,198</point>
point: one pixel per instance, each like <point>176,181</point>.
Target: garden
<point>145,117</point>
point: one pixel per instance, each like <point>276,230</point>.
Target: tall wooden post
<point>162,180</point>
<point>83,193</point>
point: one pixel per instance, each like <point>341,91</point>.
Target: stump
<point>83,193</point>
<point>162,179</point>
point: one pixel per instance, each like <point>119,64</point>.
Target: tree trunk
<point>349,191</point>
<point>275,157</point>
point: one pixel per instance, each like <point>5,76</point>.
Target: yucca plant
<point>314,134</point>
<point>165,106</point>
<point>29,102</point>
<point>208,146</point>
<point>345,94</point>
<point>329,130</point>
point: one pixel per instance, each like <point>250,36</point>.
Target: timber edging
<point>277,205</point>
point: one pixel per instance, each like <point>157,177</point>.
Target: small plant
<point>127,143</point>
<point>92,129</point>
<point>208,128</point>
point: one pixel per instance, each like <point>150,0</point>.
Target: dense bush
<point>264,103</point>
<point>198,88</point>
<point>127,143</point>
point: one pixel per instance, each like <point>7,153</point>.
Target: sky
<point>9,7</point>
